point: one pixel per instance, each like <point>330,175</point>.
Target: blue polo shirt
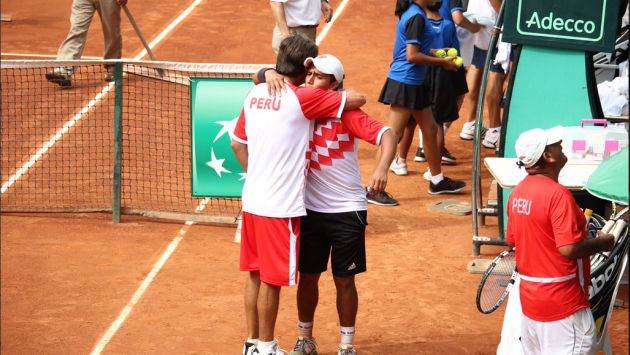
<point>445,34</point>
<point>412,28</point>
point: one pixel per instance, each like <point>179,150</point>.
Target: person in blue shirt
<point>407,93</point>
<point>447,93</point>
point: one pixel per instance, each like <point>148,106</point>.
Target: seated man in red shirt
<point>547,228</point>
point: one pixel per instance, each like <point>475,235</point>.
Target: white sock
<point>266,347</point>
<point>347,335</point>
<point>435,179</point>
<point>305,329</point>
<point>420,138</point>
<point>253,341</point>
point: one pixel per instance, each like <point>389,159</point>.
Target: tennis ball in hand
<point>452,52</point>
<point>458,61</point>
<point>440,53</point>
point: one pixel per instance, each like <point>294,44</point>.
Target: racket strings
<point>496,283</point>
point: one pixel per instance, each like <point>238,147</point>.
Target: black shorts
<point>446,87</point>
<point>341,235</point>
<point>479,60</point>
<point>459,81</point>
<point>415,97</point>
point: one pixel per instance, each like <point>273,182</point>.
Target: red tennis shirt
<point>543,216</point>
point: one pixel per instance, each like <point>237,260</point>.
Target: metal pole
<point>118,112</point>
<point>476,163</point>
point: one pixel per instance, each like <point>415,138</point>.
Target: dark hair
<point>541,161</point>
<point>292,53</point>
<point>401,6</point>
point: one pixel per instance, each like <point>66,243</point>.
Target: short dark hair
<point>401,7</point>
<point>292,53</point>
<point>541,161</point>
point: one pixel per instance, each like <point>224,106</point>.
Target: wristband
<point>261,74</point>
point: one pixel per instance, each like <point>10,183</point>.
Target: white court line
<point>76,118</point>
<point>170,27</point>
<point>113,329</point>
<point>54,139</point>
<point>336,13</point>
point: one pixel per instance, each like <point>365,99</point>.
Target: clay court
<point>77,283</point>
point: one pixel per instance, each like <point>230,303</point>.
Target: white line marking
<point>69,124</point>
<point>113,329</point>
<point>328,26</point>
<point>55,138</point>
<point>170,27</point>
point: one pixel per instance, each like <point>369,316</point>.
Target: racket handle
<point>618,227</point>
<point>608,226</point>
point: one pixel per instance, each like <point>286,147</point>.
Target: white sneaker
<point>275,350</point>
<point>427,175</point>
<point>468,131</point>
<point>491,141</point>
<point>249,348</point>
<point>398,168</point>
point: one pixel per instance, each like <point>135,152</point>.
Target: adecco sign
<point>588,25</point>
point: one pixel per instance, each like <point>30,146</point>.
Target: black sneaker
<point>249,348</point>
<point>62,79</point>
<point>109,77</point>
<point>420,155</point>
<point>446,186</point>
<point>381,198</point>
<point>448,158</point>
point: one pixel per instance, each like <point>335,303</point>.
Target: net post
<point>116,183</point>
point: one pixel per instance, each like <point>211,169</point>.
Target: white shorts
<point>572,335</point>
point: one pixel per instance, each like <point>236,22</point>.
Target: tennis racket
<point>497,282</point>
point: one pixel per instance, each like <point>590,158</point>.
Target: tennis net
<point>59,150</point>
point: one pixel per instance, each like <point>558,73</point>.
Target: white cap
<point>531,144</point>
<point>327,64</point>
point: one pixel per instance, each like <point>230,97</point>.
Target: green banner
<point>587,25</point>
<point>215,107</point>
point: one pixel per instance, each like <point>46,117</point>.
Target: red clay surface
<point>66,278</point>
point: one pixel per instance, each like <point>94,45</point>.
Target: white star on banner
<point>217,164</point>
<point>243,176</point>
<point>227,127</point>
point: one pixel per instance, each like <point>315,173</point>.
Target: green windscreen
<point>215,106</point>
<point>550,89</point>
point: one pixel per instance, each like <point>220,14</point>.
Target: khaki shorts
<point>307,31</point>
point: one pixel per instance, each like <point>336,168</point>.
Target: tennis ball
<point>452,52</point>
<point>458,61</point>
<point>440,53</point>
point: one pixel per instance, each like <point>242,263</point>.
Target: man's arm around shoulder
<point>354,100</point>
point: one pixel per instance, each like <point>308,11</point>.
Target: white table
<point>573,176</point>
